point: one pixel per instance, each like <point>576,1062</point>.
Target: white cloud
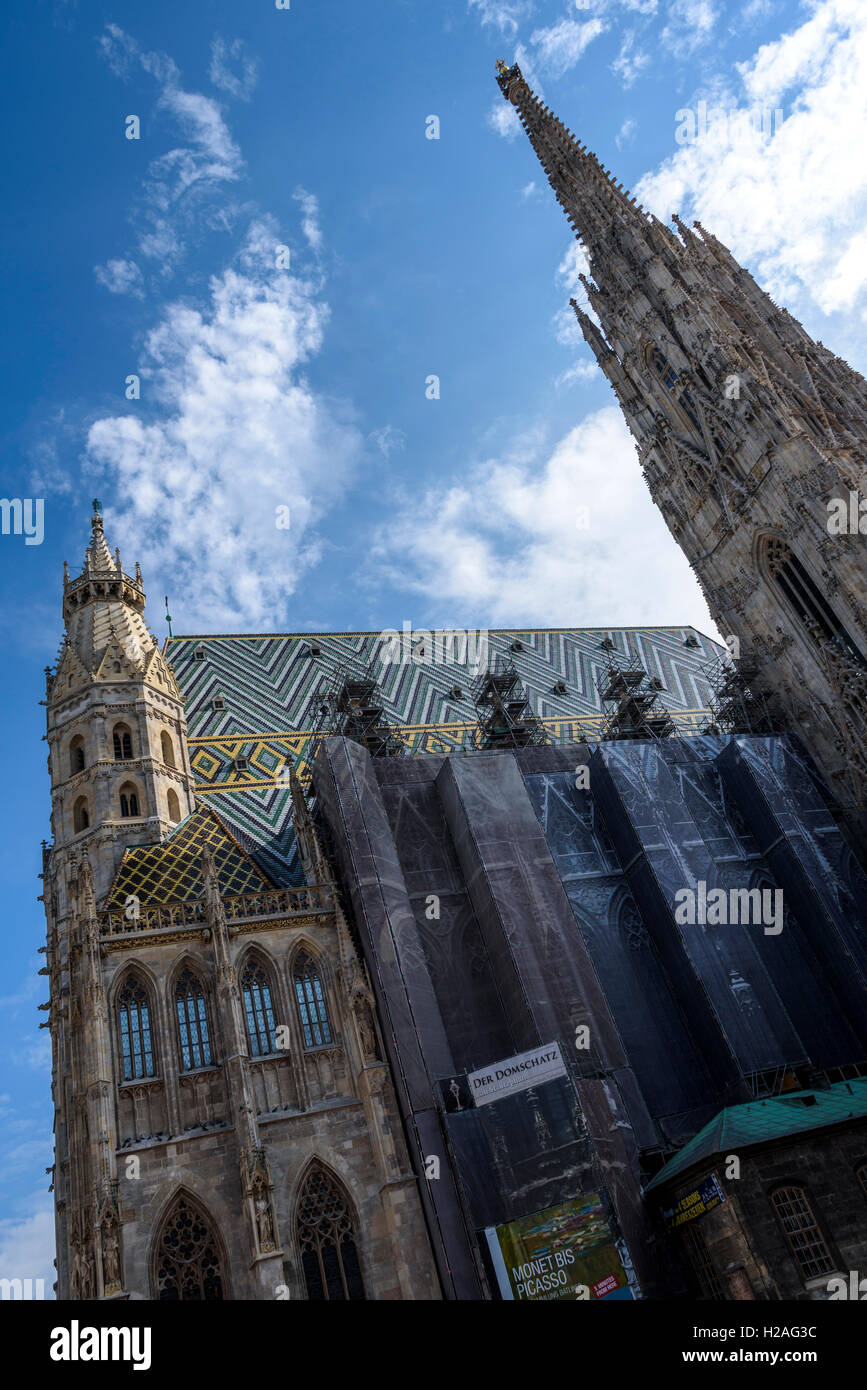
<point>690,24</point>
<point>240,433</point>
<point>310,217</point>
<point>626,133</point>
<point>27,1245</point>
<point>389,440</point>
<point>504,15</point>
<point>503,119</point>
<point>793,207</point>
<point>529,189</point>
<point>630,62</point>
<point>120,277</point>
<point>567,329</point>
<point>237,84</point>
<point>582,370</point>
<point>185,178</point>
<point>560,47</point>
<point>507,546</point>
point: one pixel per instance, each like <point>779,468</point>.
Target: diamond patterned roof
<point>171,871</point>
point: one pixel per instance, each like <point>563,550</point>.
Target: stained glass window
<point>192,1022</point>
<point>326,1238</point>
<point>135,1031</point>
<point>311,1003</point>
<point>188,1264</point>
<point>258,1009</point>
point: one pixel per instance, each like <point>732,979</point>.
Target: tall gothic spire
<point>746,428</point>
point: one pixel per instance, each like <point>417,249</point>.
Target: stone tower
<point>751,438</point>
<point>117,750</point>
<point>225,1125</point>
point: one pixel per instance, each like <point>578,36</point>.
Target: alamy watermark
<point>23,516</point>
<point>847,516</point>
<point>423,647</point>
<point>730,907</point>
<point>738,126</point>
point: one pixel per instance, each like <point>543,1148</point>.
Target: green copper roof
<point>740,1126</point>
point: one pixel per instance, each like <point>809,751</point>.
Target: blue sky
<point>266,387</point>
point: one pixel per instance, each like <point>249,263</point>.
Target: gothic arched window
<point>173,805</point>
<point>311,1002</point>
<point>188,1264</point>
<point>258,1009</point>
<point>669,380</point>
<point>192,1022</point>
<point>134,1019</point>
<point>803,594</point>
<point>167,749</point>
<point>80,815</point>
<point>122,740</point>
<point>128,801</point>
<point>326,1239</point>
<point>801,1229</point>
<point>76,755</point>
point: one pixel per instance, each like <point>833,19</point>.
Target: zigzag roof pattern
<point>269,683</point>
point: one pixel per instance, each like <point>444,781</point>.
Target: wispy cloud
<point>558,48</point>
<point>630,61</point>
<point>183,180</point>
<point>121,277</point>
<point>310,217</point>
<point>690,25</point>
<point>626,133</point>
<point>504,15</point>
<point>238,433</point>
<point>389,440</point>
<point>232,69</point>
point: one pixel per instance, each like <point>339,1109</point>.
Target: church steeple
<point>746,430</point>
<point>116,726</point>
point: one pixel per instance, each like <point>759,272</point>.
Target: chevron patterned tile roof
<point>268,686</point>
<point>171,871</point>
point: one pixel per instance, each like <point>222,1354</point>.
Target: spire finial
<point>168,616</point>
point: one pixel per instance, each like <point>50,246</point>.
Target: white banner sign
<point>516,1074</point>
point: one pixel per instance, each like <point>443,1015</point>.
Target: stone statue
<point>366,1030</point>
<point>263,1223</point>
<point>110,1258</point>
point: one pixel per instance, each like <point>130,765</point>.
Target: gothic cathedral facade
<point>225,1125</point>
<point>751,437</point>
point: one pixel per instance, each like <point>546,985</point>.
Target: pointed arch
<point>189,1001</point>
<point>326,1231</point>
<point>257,978</point>
<point>134,1013</point>
<point>173,806</point>
<point>188,1261</point>
<point>80,815</point>
<point>310,998</point>
<point>793,583</point>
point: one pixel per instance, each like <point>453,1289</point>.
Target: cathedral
<point>527,964</point>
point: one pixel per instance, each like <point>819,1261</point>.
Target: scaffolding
<point>505,716</point>
<point>635,709</point>
<point>739,703</point>
<point>350,705</point>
